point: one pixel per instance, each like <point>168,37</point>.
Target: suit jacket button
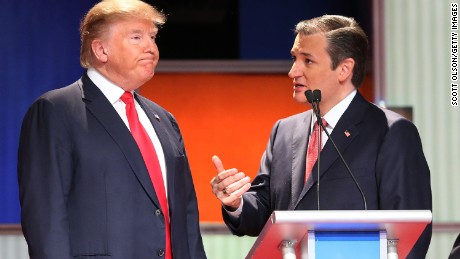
<point>158,212</point>
<point>161,252</point>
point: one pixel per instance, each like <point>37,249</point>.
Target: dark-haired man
<point>382,148</point>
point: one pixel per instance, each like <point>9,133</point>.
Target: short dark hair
<point>345,39</point>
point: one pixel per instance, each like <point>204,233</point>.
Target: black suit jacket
<point>382,148</point>
<point>85,191</point>
<point>455,253</point>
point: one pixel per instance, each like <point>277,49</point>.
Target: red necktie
<point>312,151</point>
<point>151,161</point>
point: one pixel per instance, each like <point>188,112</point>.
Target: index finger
<point>218,164</point>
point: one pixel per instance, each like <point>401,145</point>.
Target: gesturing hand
<point>229,185</point>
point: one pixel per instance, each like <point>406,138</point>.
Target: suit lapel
<point>168,150</point>
<point>104,112</point>
<point>343,134</point>
<point>329,155</point>
<point>299,144</point>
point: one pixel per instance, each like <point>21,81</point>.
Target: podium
<point>340,234</point>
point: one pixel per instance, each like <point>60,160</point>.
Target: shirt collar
<point>333,116</point>
<point>111,91</point>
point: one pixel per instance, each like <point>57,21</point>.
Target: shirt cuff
<point>236,213</point>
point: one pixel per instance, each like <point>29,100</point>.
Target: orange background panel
<point>229,115</point>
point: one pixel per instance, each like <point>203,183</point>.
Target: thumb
<point>218,164</point>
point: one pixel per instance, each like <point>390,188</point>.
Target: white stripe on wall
<point>417,39</point>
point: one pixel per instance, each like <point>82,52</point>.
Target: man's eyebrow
<point>137,31</point>
<point>153,32</point>
<point>306,54</point>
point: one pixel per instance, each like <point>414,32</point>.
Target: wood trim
<point>10,229</point>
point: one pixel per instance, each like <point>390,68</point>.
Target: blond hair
<point>102,15</point>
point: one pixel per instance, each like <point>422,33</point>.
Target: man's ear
<point>99,50</point>
<point>345,69</point>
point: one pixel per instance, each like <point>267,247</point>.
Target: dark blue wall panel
<point>266,27</point>
<point>39,48</point>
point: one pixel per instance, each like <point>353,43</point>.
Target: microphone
<point>314,97</point>
<point>317,95</point>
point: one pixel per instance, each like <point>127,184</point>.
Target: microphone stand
<point>319,121</point>
<point>314,98</point>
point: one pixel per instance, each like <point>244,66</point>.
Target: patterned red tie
<point>312,151</point>
<point>151,161</point>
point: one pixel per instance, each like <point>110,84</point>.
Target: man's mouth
<point>299,87</point>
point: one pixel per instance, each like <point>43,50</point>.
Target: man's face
<point>132,53</point>
<point>311,69</point>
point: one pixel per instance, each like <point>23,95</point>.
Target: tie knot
<point>324,122</point>
<point>127,98</point>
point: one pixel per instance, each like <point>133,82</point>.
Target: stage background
<point>40,48</point>
<point>40,51</point>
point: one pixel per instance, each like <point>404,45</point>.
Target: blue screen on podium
<point>344,245</point>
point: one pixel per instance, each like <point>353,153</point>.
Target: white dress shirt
<point>331,117</point>
<point>113,93</point>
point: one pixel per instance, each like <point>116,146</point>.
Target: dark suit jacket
<point>84,188</point>
<point>455,254</point>
<point>383,150</point>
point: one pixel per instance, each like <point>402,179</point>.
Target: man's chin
<point>299,97</point>
<point>148,74</point>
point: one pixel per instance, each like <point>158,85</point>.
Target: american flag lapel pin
<point>157,117</point>
<point>347,133</point>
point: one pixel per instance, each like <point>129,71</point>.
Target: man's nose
<point>294,72</point>
<point>150,45</point>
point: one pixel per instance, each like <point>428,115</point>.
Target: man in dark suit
<point>86,187</point>
<point>382,148</point>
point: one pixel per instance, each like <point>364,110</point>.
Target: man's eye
<point>136,36</point>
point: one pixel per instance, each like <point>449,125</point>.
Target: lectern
<point>340,234</point>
